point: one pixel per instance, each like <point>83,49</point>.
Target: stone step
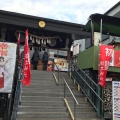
<point>83,109</point>
<point>49,104</point>
<point>42,115</point>
<point>42,79</point>
<point>54,108</point>
<point>41,98</point>
<point>42,109</point>
<point>42,119</point>
<point>48,94</point>
<point>42,103</point>
<point>86,114</point>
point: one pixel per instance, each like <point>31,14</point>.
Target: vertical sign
<point>105,57</point>
<point>116,100</point>
<point>26,66</point>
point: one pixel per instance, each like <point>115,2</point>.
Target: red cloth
<point>105,57</point>
<point>117,58</point>
<point>26,67</point>
<point>18,46</point>
<point>2,81</point>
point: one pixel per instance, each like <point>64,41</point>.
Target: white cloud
<point>76,11</point>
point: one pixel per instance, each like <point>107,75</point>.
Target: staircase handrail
<point>91,89</point>
<point>71,92</point>
<point>75,100</point>
<point>17,98</point>
<point>90,80</point>
<point>86,75</point>
<point>66,84</point>
<point>85,82</point>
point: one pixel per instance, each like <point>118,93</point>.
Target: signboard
<point>76,48</point>
<point>117,58</point>
<point>116,99</point>
<point>63,53</point>
<point>51,54</point>
<point>62,64</point>
<point>97,38</point>
<point>112,59</point>
<point>7,66</point>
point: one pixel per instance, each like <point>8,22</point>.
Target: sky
<point>74,11</point>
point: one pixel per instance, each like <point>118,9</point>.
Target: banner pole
<point>99,87</point>
<point>101,30</point>
<point>92,33</point>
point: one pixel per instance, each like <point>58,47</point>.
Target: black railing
<point>90,89</point>
<point>17,98</point>
<point>18,92</point>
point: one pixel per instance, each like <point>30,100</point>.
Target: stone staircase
<point>43,100</point>
<point>84,111</point>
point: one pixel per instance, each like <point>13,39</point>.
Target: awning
<point>110,25</point>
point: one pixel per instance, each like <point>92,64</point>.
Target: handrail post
<point>64,90</point>
<point>58,75</point>
<point>98,101</point>
<point>74,110</point>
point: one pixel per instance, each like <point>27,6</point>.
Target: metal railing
<point>90,89</point>
<point>59,75</point>
<point>18,92</point>
<point>17,98</point>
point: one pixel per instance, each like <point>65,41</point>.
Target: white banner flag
<point>7,66</point>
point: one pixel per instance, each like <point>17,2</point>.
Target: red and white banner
<point>104,59</point>
<point>117,58</point>
<point>26,67</point>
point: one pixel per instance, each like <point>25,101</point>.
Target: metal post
<point>99,87</point>
<point>71,69</point>
<point>101,30</point>
<point>74,110</point>
<point>64,90</point>
<point>92,33</point>
<point>58,75</point>
<point>98,101</point>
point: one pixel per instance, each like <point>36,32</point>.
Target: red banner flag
<point>19,38</point>
<point>117,58</point>
<point>18,43</point>
<point>105,57</point>
<point>26,67</point>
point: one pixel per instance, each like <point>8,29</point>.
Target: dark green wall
<point>85,58</point>
<point>89,59</point>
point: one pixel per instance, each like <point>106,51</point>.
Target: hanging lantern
<point>44,42</point>
<point>39,41</point>
<point>31,38</point>
<point>49,41</point>
<point>36,40</point>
